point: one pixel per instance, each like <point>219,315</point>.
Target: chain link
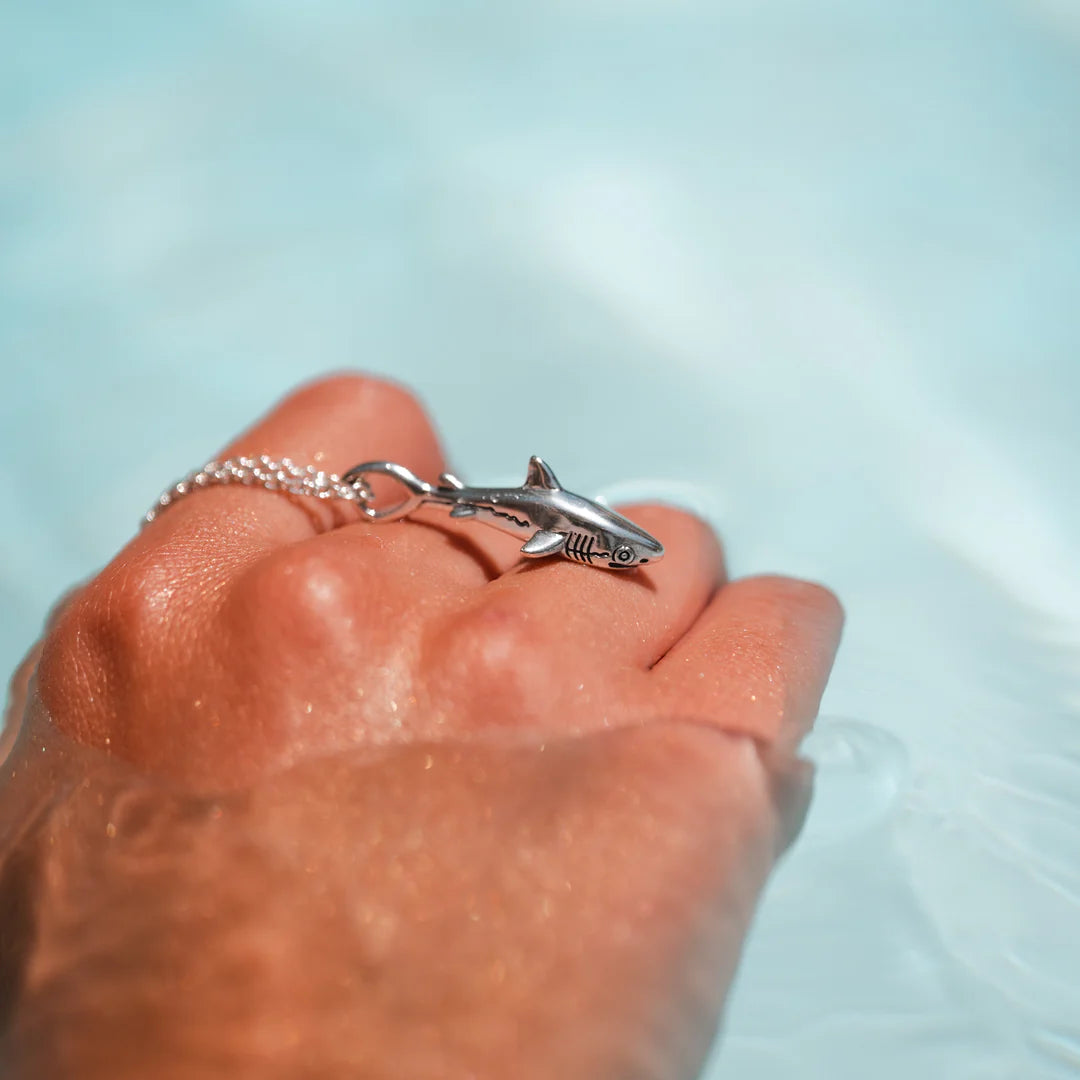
<point>263,471</point>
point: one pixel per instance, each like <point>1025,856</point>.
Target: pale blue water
<point>814,267</point>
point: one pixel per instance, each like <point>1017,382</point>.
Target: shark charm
<point>551,520</point>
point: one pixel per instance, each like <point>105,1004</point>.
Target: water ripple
<point>861,769</point>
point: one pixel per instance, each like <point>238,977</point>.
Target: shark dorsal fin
<point>540,476</point>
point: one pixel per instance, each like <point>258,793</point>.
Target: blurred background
<point>810,268</point>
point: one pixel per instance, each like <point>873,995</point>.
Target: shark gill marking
<point>573,547</point>
<point>579,546</point>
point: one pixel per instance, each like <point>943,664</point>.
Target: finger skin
<point>142,645</point>
<point>335,422</point>
<point>621,618</point>
<point>757,660</point>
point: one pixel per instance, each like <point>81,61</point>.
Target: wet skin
<point>297,795</point>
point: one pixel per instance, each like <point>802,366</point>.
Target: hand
<point>510,818</point>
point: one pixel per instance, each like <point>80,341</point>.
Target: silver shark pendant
<point>552,521</point>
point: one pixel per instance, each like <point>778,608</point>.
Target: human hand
<point>555,791</point>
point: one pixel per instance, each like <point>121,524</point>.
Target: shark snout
<point>649,551</point>
<point>636,551</point>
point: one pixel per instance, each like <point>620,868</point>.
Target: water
<point>810,268</point>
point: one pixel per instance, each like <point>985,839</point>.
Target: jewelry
<point>553,521</point>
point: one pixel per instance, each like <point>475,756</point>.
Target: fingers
<point>630,617</point>
<point>334,423</point>
<point>756,662</point>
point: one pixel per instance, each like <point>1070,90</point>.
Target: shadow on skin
<point>635,577</point>
<point>464,545</point>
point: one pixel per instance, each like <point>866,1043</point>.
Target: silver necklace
<point>552,521</point>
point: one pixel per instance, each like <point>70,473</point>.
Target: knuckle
<point>124,607</point>
<point>497,653</point>
<point>138,595</point>
<point>71,646</point>
<point>298,595</point>
<point>110,630</point>
<point>494,639</point>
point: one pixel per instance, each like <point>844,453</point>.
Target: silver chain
<point>560,522</point>
<point>263,471</point>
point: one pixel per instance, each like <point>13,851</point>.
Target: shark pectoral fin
<point>451,481</point>
<point>543,543</point>
<point>463,510</point>
<point>540,475</point>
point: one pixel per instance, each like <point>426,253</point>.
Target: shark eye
<point>623,554</point>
